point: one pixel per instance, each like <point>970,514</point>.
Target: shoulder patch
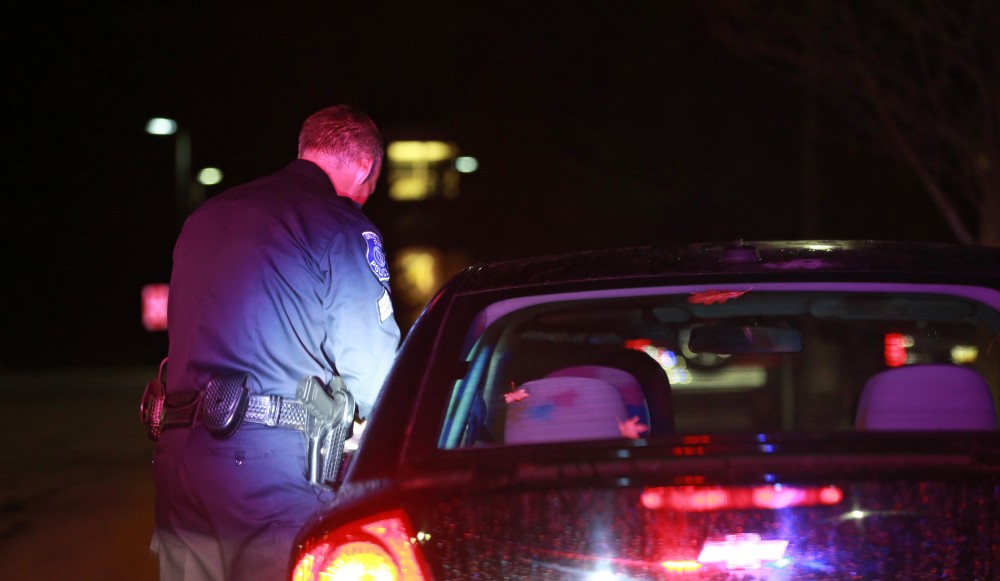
<point>376,256</point>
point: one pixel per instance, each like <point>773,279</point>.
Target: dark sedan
<point>756,410</point>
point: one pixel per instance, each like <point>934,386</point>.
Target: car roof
<point>747,257</point>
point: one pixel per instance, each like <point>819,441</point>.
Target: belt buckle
<point>273,410</point>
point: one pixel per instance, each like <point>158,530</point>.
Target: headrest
<point>926,397</point>
<point>563,409</point>
<point>626,384</point>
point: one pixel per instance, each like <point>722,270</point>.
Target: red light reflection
<point>637,344</point>
<point>154,307</point>
<point>703,499</point>
<point>895,349</point>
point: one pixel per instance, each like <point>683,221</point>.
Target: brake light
<point>380,548</point>
<point>772,496</point>
<point>681,566</point>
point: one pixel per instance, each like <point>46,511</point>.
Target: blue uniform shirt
<point>281,278</point>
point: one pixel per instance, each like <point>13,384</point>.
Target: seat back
<point>564,409</point>
<point>926,397</point>
<point>626,384</point>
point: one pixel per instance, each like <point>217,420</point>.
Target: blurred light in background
<point>209,176</point>
<point>466,164</point>
<point>964,354</point>
<point>896,345</point>
<point>421,151</point>
<point>417,277</point>
<point>154,307</point>
<point>420,170</point>
<point>675,367</point>
<point>417,273</point>
<point>419,268</point>
<point>161,126</point>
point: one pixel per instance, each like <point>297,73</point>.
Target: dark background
<point>595,123</point>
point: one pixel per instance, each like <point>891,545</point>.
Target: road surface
<point>76,499</point>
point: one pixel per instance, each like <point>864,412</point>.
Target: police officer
<point>273,281</point>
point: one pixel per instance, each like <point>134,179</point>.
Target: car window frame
<point>471,310</point>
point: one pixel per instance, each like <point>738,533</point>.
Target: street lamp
<point>184,195</point>
<point>161,126</point>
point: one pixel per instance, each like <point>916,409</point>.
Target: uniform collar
<point>313,172</point>
<point>316,174</point>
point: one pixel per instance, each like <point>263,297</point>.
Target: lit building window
<point>419,170</point>
<point>418,272</point>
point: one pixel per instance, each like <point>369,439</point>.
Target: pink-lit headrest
<point>926,397</point>
<point>563,409</point>
<point>626,383</point>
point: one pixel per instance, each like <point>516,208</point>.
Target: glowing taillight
<point>687,566</point>
<point>361,561</point>
<point>706,499</point>
<point>380,548</point>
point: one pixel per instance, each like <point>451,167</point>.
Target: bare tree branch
<point>919,80</point>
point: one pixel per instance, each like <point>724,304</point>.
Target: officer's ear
<point>364,169</point>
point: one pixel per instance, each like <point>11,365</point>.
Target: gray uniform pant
<point>230,509</point>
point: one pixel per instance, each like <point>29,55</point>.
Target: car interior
<point>780,358</point>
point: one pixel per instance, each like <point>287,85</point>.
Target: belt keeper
<point>273,411</point>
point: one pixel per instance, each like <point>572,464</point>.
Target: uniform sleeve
<point>364,336</point>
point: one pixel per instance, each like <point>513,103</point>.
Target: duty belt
<point>222,406</point>
<point>182,409</point>
<point>323,413</point>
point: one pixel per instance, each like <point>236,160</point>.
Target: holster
<point>329,421</point>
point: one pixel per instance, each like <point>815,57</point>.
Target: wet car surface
<point>759,410</point>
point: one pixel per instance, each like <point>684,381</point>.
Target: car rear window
<point>657,362</point>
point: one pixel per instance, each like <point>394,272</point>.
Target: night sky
<point>596,124</point>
